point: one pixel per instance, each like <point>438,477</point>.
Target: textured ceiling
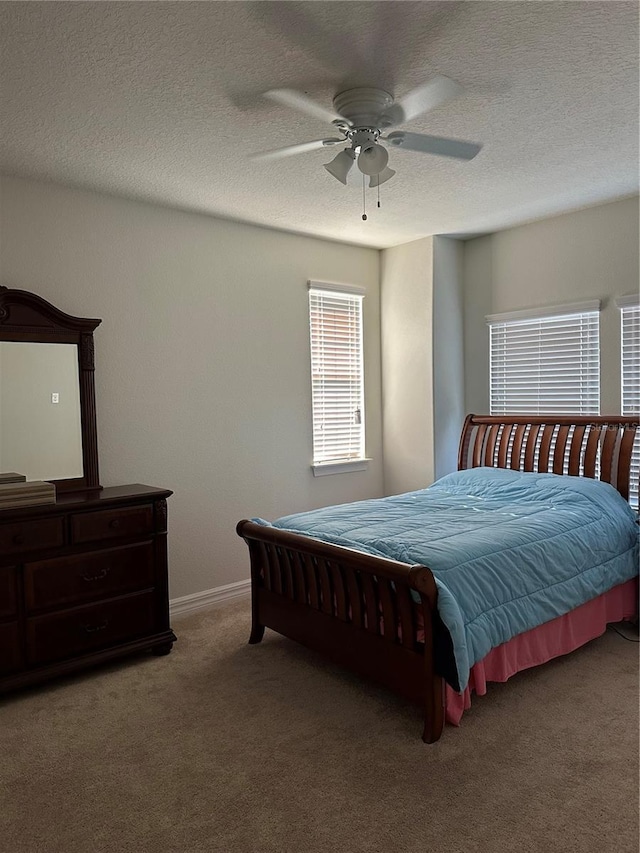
<point>161,102</point>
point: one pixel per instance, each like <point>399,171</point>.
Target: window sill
<point>325,468</point>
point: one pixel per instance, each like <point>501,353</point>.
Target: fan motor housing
<point>364,107</point>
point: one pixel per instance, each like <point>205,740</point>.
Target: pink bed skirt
<point>557,637</point>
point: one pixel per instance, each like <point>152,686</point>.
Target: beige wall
<point>589,254</point>
<point>422,361</point>
<point>407,365</point>
<point>203,355</point>
<point>448,353</point>
<point>202,358</point>
<point>38,438</point>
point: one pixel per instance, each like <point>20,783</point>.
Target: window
<point>630,317</point>
<point>545,362</point>
<point>335,314</point>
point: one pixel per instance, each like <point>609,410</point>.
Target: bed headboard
<point>596,446</point>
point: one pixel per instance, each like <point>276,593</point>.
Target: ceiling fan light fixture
<point>385,175</point>
<point>373,159</point>
<point>340,166</point>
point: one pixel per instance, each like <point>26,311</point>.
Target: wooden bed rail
<point>596,446</point>
<point>355,608</point>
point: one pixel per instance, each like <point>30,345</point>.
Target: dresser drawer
<point>10,653</point>
<point>95,626</point>
<point>112,523</point>
<point>8,593</point>
<point>22,536</point>
<point>86,577</point>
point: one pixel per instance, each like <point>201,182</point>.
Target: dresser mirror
<point>47,393</point>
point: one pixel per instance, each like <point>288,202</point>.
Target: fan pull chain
<point>378,195</point>
<point>364,201</point>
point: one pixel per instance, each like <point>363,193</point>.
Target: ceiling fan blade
<point>300,148</point>
<point>328,39</point>
<point>439,145</point>
<point>298,101</point>
<point>423,98</point>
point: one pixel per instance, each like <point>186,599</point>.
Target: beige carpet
<point>227,747</point>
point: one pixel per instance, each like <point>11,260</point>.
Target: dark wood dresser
<point>82,581</point>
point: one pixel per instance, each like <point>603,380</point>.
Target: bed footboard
<point>354,608</point>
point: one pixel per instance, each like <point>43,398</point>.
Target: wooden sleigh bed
<point>359,610</point>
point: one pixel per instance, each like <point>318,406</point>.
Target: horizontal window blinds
<point>545,365</point>
<point>631,360</point>
<point>631,384</point>
<point>336,375</point>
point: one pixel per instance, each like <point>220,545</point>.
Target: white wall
<point>407,365</point>
<point>202,358</point>
<point>588,254</point>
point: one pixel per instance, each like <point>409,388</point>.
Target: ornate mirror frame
<point>27,317</point>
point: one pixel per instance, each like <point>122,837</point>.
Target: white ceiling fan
<point>364,116</point>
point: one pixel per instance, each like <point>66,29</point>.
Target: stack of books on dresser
<point>15,491</point>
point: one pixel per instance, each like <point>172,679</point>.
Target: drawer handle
<point>98,576</point>
<point>114,524</point>
<point>18,539</point>
<point>93,629</point>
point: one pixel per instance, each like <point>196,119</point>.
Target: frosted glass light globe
<point>372,160</point>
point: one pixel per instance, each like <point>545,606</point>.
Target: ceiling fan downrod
<point>364,201</point>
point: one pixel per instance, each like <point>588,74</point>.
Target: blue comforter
<point>509,550</point>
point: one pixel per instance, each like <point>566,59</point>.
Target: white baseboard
<point>209,597</point>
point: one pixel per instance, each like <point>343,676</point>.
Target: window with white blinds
<point>630,315</point>
<point>336,374</point>
<point>545,364</point>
